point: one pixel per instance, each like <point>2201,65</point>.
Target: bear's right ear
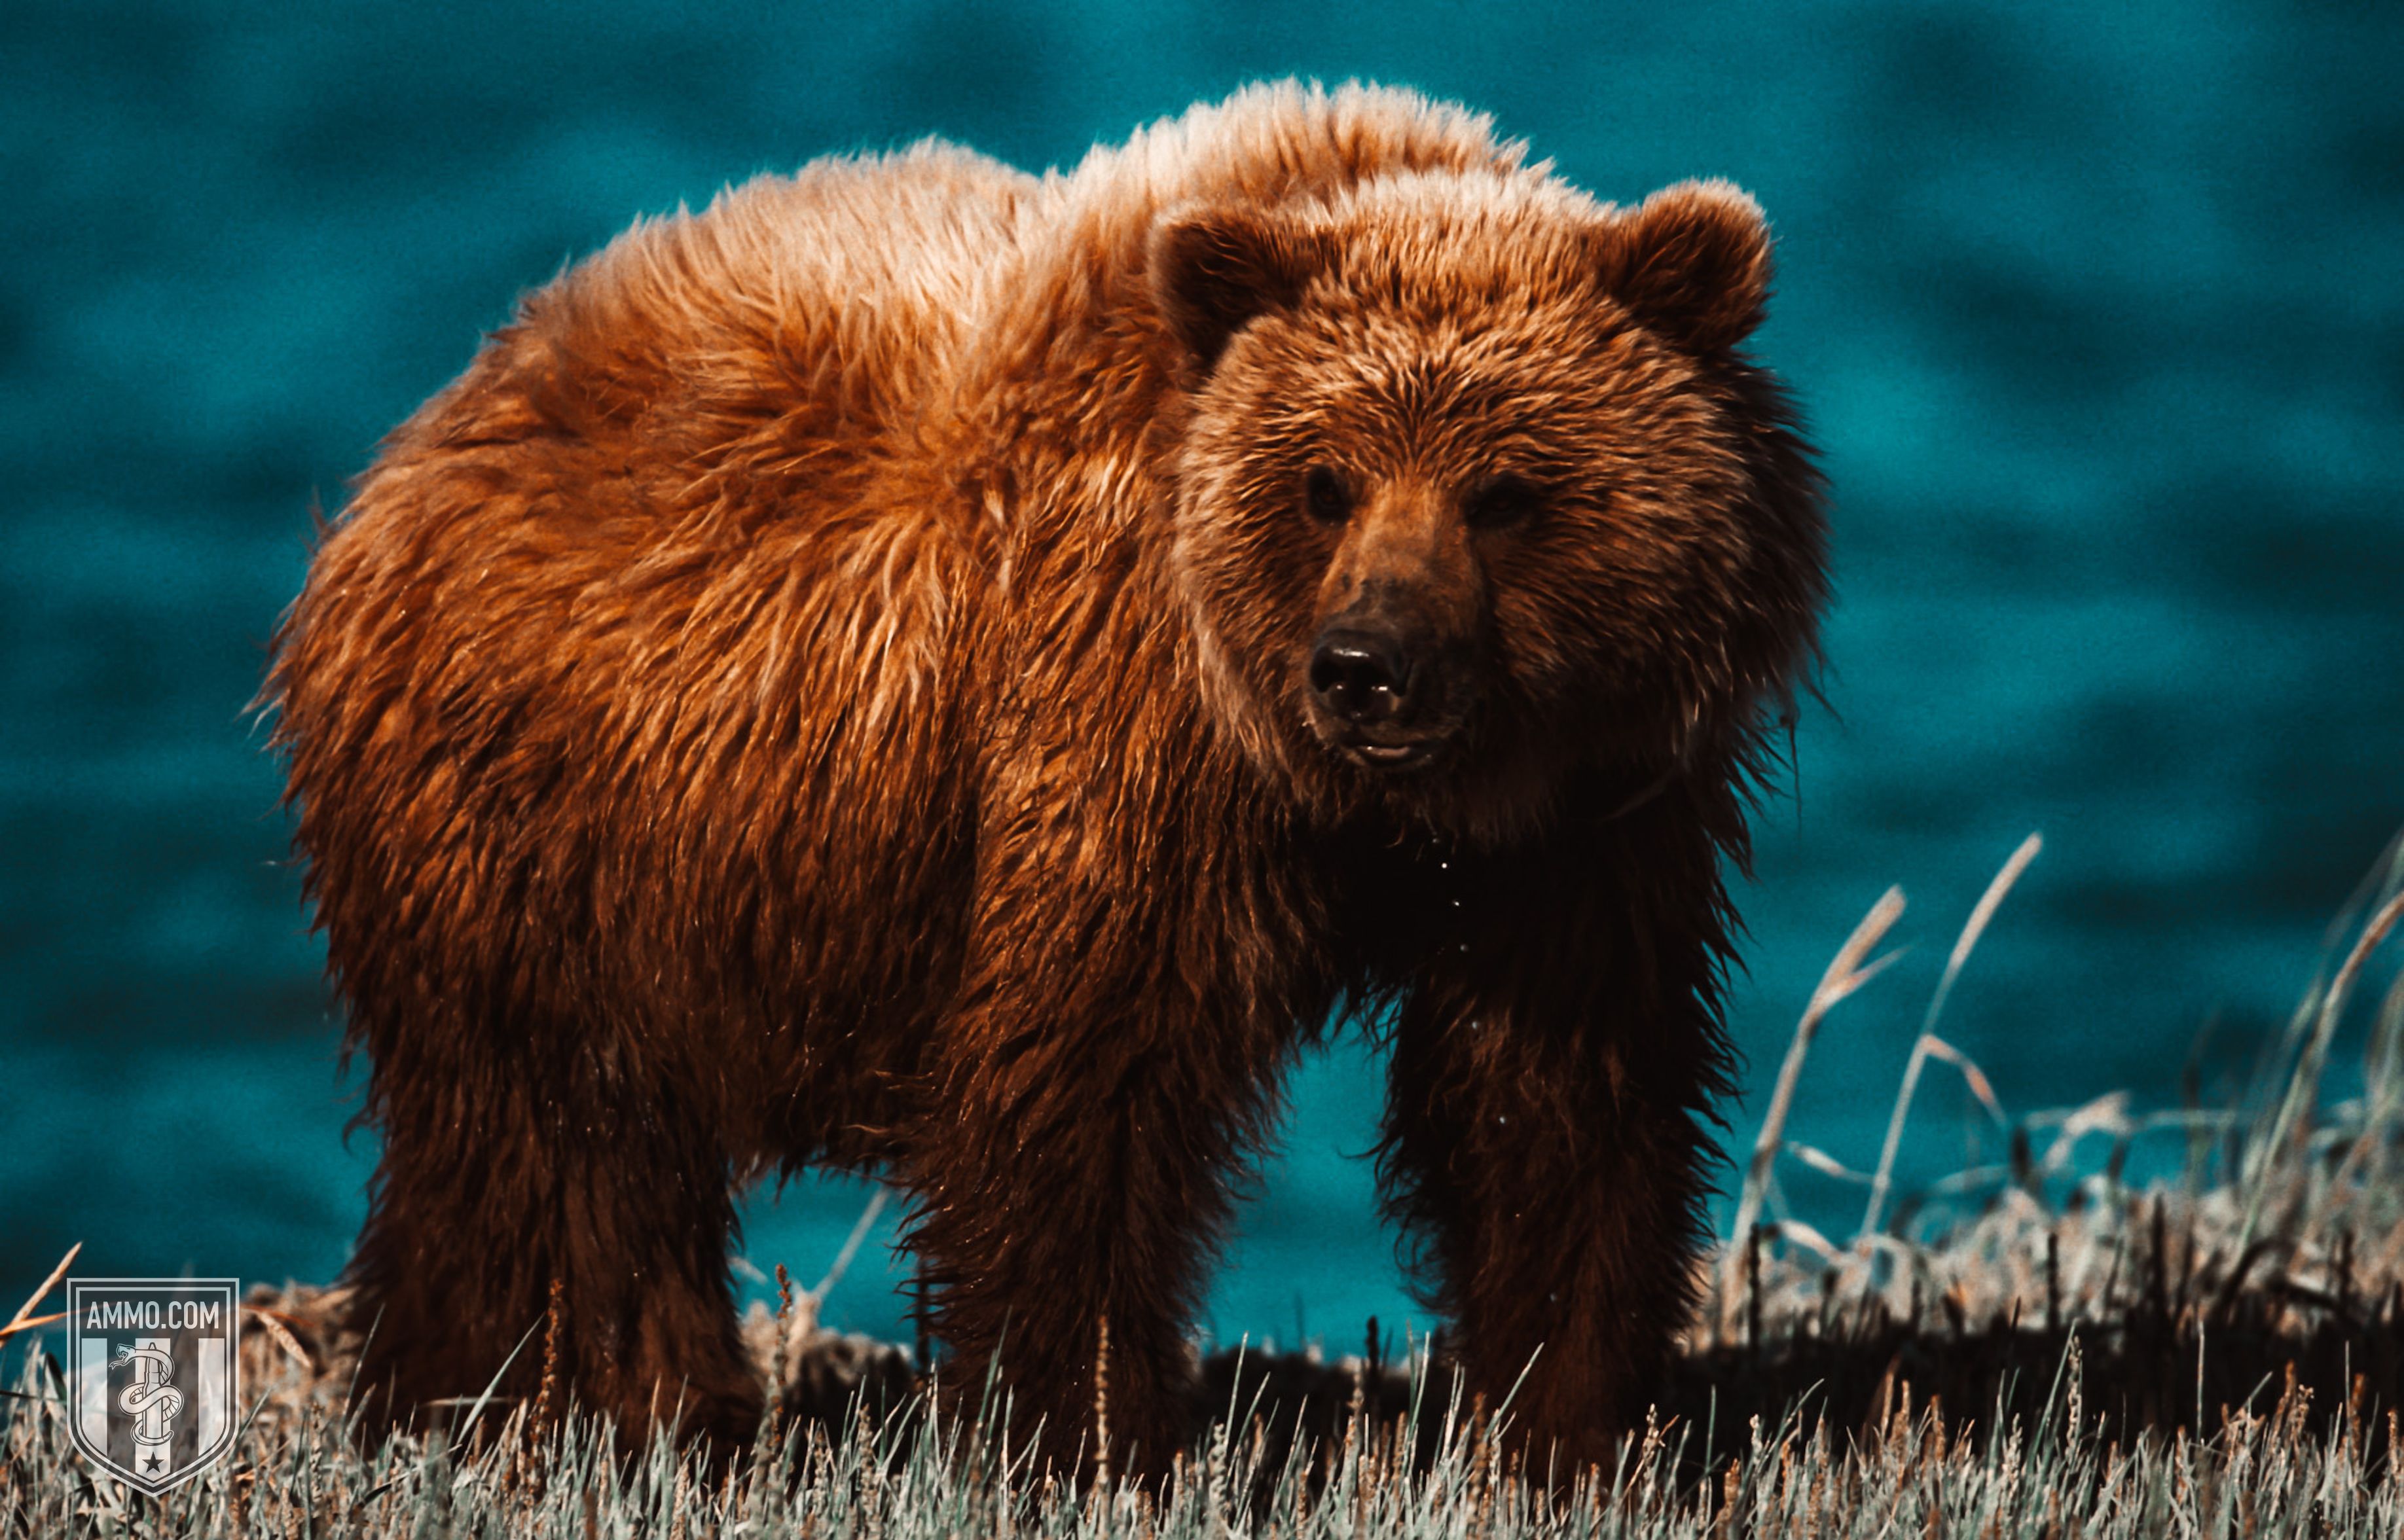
<point>1211,273</point>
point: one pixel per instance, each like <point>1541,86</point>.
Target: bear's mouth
<point>1389,757</point>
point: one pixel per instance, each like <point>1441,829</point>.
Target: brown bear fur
<point>836,683</point>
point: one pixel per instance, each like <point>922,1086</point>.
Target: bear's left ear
<point>1214,271</point>
<point>1693,261</point>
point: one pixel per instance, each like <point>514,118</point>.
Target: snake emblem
<point>151,1400</point>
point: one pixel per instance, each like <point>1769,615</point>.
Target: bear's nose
<point>1361,677</point>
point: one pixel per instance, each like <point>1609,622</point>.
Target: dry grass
<point>2036,1347</point>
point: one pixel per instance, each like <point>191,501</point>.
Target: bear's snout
<point>1361,677</point>
<point>1390,670</point>
<point>1381,694</point>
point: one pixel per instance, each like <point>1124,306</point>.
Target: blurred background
<point>2098,312</point>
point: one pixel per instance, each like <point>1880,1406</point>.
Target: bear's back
<point>796,319</point>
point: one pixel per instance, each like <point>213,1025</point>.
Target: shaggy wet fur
<point>835,683</point>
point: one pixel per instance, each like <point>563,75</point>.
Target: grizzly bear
<point>928,670</point>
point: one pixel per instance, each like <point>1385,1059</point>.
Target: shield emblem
<point>152,1375</point>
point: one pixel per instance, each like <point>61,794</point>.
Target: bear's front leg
<point>1072,1168</point>
<point>1540,1138</point>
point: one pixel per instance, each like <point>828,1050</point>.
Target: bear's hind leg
<point>503,1176</point>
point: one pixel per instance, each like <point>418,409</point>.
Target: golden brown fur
<point>844,679</point>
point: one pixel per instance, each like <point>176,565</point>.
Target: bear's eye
<point>1324,493</point>
<point>1501,500</point>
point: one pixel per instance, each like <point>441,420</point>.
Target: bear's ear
<point>1214,271</point>
<point>1692,261</point>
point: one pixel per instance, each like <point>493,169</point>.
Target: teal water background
<point>2098,310</point>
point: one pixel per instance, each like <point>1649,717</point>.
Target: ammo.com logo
<point>152,1375</point>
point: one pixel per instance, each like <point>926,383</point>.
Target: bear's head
<point>1473,497</point>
